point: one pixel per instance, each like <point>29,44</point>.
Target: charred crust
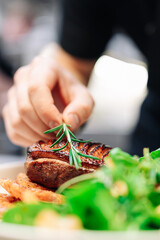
<point>42,150</point>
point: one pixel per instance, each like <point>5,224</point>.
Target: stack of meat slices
<point>51,168</point>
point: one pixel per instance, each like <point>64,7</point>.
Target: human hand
<point>44,95</point>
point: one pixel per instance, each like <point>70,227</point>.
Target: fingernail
<point>52,124</point>
<point>73,120</point>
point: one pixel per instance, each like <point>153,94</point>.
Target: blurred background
<point>26,26</point>
<point>118,82</point>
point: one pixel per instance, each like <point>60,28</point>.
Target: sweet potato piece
<point>19,191</point>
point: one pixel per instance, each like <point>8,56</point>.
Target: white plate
<point>19,232</point>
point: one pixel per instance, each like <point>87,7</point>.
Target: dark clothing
<point>5,67</point>
<point>88,25</point>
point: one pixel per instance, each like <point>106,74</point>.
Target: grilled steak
<point>51,169</point>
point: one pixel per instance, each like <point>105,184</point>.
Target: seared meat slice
<point>51,169</point>
<point>42,150</point>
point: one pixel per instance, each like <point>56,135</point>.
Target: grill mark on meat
<point>85,147</point>
<point>98,147</point>
<point>91,148</point>
<point>105,152</point>
<point>42,149</point>
<point>105,155</point>
<point>80,146</point>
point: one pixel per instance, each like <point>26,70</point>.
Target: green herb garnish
<point>74,154</point>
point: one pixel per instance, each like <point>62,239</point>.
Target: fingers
<point>30,109</point>
<point>80,107</point>
<point>13,136</point>
<point>42,79</point>
<point>17,130</point>
<point>25,108</point>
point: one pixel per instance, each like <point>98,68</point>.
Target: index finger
<point>79,108</point>
<point>42,79</point>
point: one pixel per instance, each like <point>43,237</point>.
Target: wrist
<point>80,68</point>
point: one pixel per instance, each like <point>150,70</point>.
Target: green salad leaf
<point>24,213</point>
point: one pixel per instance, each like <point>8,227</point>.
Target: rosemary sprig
<point>74,154</point>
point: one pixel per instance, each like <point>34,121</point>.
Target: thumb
<point>79,109</point>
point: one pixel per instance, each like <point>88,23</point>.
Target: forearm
<point>80,68</point>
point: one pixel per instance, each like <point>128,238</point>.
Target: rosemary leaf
<point>81,141</point>
<point>87,156</point>
<point>75,159</point>
<point>78,159</point>
<point>58,140</point>
<point>59,132</point>
<point>53,129</point>
<point>58,149</point>
<point>72,134</point>
<point>70,157</point>
<point>67,134</point>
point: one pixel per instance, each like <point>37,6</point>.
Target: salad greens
<point>124,194</point>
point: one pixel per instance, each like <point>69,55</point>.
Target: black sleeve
<point>86,27</point>
<point>5,66</point>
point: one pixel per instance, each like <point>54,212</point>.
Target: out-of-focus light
<point>121,77</point>
<point>118,89</point>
